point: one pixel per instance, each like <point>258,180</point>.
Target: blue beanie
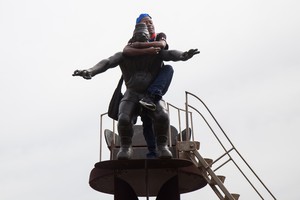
<point>142,16</point>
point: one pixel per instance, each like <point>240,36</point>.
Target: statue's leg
<point>127,109</point>
<point>161,123</point>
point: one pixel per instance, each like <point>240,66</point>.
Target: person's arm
<point>130,51</point>
<point>143,48</point>
<point>176,55</point>
<point>101,66</point>
<point>141,45</point>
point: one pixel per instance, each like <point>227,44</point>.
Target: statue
<point>138,72</point>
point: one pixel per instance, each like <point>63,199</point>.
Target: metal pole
<point>192,127</point>
<point>170,135</point>
<point>100,156</point>
<point>179,125</point>
<point>187,115</point>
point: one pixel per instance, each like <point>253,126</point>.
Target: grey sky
<point>247,73</point>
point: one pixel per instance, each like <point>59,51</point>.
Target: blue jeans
<point>161,84</point>
<point>158,88</point>
<point>148,132</point>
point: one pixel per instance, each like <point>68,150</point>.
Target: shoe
<point>164,152</point>
<point>125,153</point>
<point>148,103</point>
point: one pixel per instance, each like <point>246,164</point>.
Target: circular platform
<point>146,176</point>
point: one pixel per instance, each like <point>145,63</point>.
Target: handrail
<point>233,147</point>
<point>101,135</point>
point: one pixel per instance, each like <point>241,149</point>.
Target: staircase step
<point>235,196</point>
<point>209,161</point>
<point>221,178</point>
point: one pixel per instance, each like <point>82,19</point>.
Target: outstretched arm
<point>101,66</point>
<point>176,55</point>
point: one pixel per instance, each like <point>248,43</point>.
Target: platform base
<point>147,176</point>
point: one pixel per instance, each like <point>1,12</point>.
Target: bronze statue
<point>138,72</point>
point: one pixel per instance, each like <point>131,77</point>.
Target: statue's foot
<point>164,152</point>
<point>125,153</point>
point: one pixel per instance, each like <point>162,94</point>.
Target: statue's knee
<point>124,120</point>
<point>163,117</point>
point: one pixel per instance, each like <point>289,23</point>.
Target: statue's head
<point>141,33</point>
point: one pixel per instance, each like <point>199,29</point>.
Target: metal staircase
<point>186,148</point>
<point>204,165</point>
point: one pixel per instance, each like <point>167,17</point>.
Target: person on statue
<point>138,73</point>
<point>161,83</point>
<point>158,41</point>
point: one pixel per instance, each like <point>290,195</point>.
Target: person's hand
<point>189,54</point>
<point>153,50</point>
<point>135,45</point>
<point>83,73</point>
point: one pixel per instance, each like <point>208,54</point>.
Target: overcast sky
<point>247,73</point>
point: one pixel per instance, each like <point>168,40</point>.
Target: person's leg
<point>161,124</point>
<point>167,71</point>
<point>158,88</point>
<point>149,135</point>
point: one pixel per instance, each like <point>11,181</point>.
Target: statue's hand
<point>83,73</point>
<point>189,54</point>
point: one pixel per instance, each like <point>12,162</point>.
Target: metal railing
<point>227,151</point>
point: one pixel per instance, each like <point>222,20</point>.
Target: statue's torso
<point>140,71</point>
